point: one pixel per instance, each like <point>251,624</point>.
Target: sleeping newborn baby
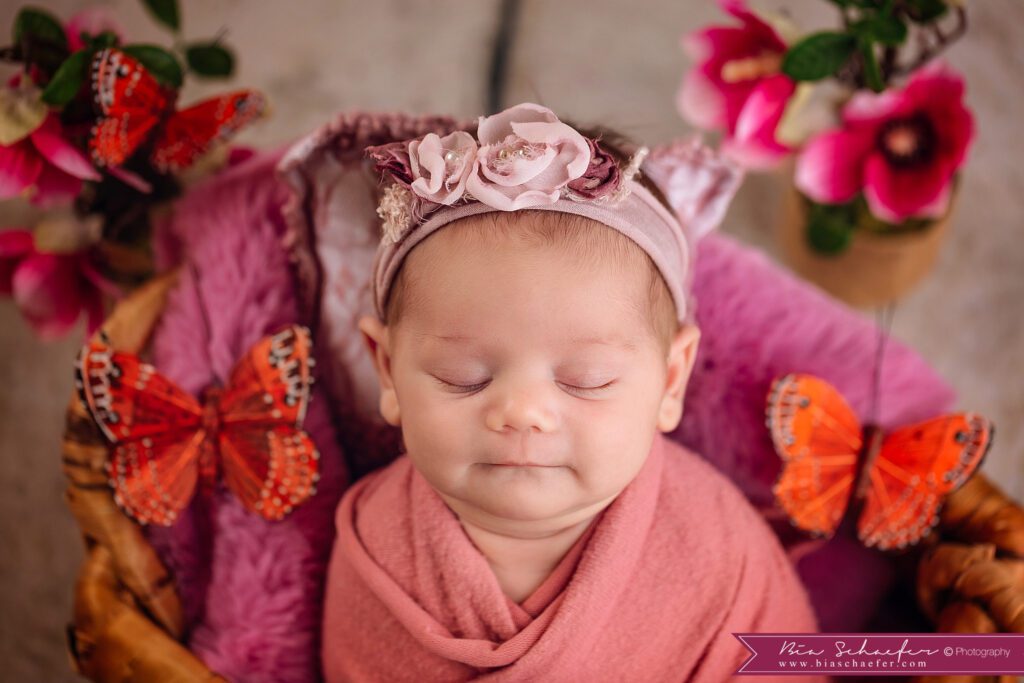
<point>534,352</point>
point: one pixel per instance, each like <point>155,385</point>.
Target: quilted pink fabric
<point>288,236</point>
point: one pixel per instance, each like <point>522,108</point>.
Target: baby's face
<point>528,389</point>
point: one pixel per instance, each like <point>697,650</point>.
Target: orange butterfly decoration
<point>834,470</point>
<point>165,443</point>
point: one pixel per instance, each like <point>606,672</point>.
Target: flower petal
<point>522,171</point>
<point>47,290</point>
<point>754,144</point>
<point>701,102</point>
<point>938,92</point>
<point>15,245</point>
<point>20,165</point>
<point>869,107</point>
<point>493,129</point>
<point>897,194</point>
<point>830,168</point>
<point>757,28</point>
<point>50,142</point>
<point>54,186</point>
<point>22,110</point>
<point>573,149</point>
<point>429,175</point>
<point>492,195</point>
<point>130,179</point>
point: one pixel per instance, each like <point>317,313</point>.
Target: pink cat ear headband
<point>525,158</point>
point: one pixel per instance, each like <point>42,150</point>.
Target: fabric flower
<point>91,21</point>
<point>440,166</point>
<point>43,163</point>
<point>51,289</point>
<point>526,156</point>
<point>901,148</point>
<point>698,182</point>
<point>601,177</point>
<point>736,86</point>
<point>392,159</point>
<point>398,209</point>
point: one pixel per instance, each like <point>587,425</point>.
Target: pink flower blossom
<point>526,156</point>
<point>601,177</point>
<point>440,167</point>
<point>901,148</point>
<point>92,21</point>
<point>45,164</point>
<point>392,159</point>
<point>736,86</point>
<point>51,290</point>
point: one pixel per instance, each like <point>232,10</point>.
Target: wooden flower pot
<point>876,267</point>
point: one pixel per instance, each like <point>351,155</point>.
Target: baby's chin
<point>522,494</point>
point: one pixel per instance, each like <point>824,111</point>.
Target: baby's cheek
<point>435,431</point>
<point>613,446</point>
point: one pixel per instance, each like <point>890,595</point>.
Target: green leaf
<point>39,24</point>
<point>884,29</point>
<point>165,11</point>
<point>866,220</point>
<point>829,227</point>
<point>66,83</point>
<point>925,11</point>
<point>162,64</point>
<point>101,40</point>
<point>210,59</point>
<point>818,56</point>
<point>872,72</point>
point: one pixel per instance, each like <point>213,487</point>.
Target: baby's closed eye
<point>574,386</point>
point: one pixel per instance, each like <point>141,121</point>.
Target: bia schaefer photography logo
<point>858,653</point>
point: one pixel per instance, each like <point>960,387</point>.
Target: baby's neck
<point>522,558</point>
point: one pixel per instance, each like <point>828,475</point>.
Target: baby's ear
<point>377,340</point>
<point>681,356</point>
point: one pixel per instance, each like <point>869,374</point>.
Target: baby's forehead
<point>578,242</point>
<point>530,263</point>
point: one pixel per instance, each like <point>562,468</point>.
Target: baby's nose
<point>524,407</point>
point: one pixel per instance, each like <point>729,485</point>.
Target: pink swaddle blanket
<point>653,590</point>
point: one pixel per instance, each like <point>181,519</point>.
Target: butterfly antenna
<point>884,317</point>
<point>204,314</point>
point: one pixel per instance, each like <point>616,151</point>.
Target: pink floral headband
<point>525,158</point>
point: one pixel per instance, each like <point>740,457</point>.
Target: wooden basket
<point>127,620</point>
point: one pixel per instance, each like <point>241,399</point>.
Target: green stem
<point>872,74</point>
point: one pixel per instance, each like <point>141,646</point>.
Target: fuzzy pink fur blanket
<point>285,238</point>
<point>653,592</point>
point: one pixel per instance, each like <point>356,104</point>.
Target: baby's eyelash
<point>575,388</point>
<point>462,388</point>
<point>468,389</point>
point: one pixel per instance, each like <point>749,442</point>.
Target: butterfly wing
<point>154,478</point>
<point>190,133</point>
<point>917,467</point>
<point>154,428</point>
<point>269,462</point>
<point>131,104</point>
<point>818,437</point>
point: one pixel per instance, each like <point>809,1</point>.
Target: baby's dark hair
<point>574,233</point>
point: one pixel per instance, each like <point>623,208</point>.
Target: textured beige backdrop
<point>596,61</point>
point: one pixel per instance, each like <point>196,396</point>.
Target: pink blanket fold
<point>653,591</point>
